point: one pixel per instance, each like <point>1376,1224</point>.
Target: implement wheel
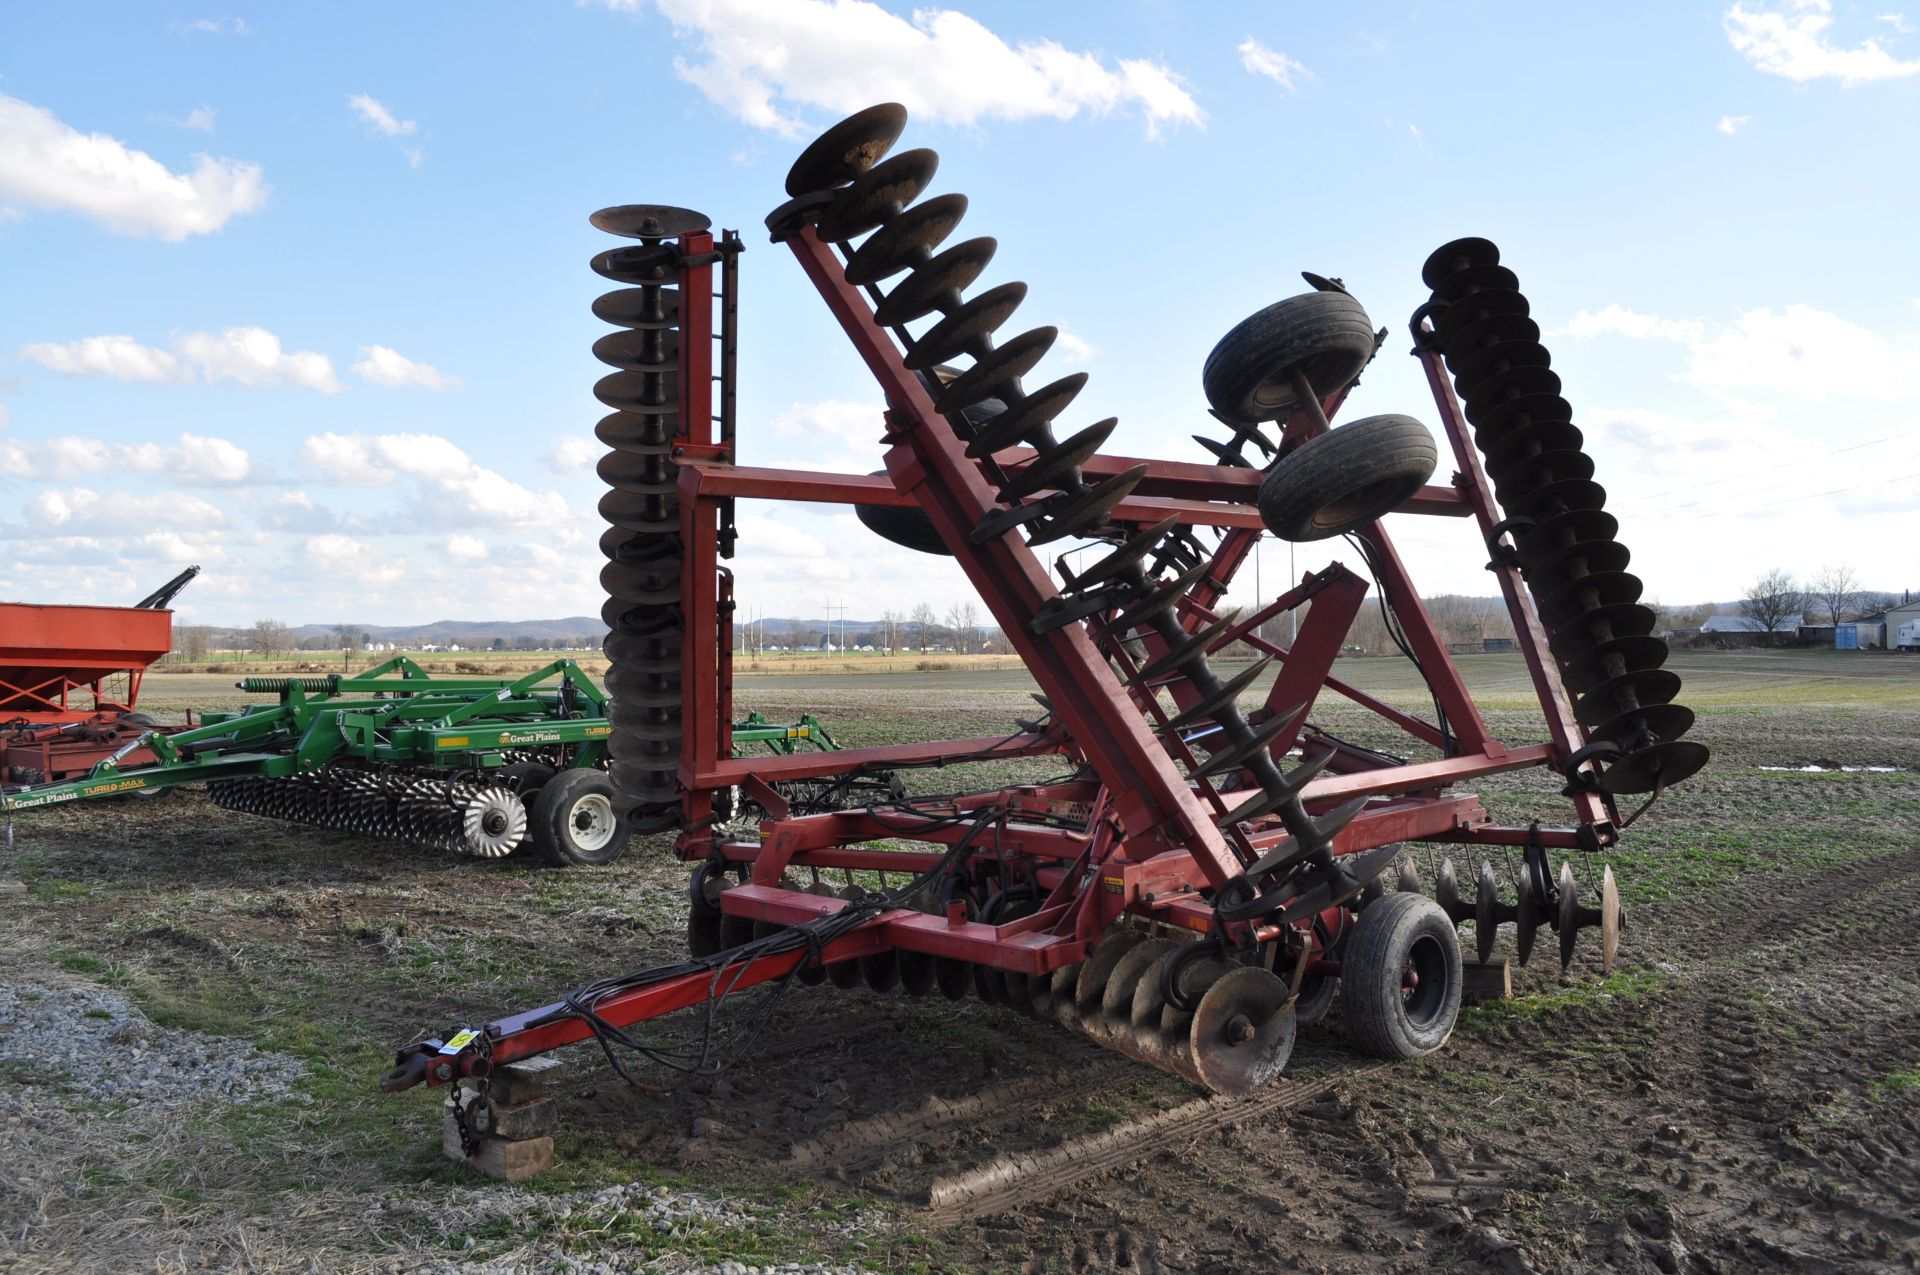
<point>909,528</point>
<point>1326,335</point>
<point>1347,478</point>
<point>1400,977</point>
<point>526,779</point>
<point>573,823</point>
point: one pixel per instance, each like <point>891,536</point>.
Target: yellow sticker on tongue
<point>460,1041</point>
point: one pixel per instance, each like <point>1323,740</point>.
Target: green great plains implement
<point>482,766</point>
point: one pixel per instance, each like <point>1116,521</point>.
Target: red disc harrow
<point>1215,866</point>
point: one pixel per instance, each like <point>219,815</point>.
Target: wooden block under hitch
<point>527,1079</point>
<point>497,1157</point>
<point>1492,981</point>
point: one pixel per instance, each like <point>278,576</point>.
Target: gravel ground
<point>88,1041</point>
<point>664,1211</point>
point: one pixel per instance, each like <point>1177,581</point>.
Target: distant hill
<point>468,632</point>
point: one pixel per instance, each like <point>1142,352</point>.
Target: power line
<point>1768,469</point>
<point>1814,495</point>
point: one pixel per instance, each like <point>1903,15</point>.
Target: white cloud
<point>1898,21</point>
<point>1792,42</point>
<point>297,511</point>
<point>120,357</point>
<point>447,472</point>
<point>385,366</point>
<point>46,164</point>
<point>1258,59</point>
<point>6,417</point>
<point>248,356</point>
<point>336,555</point>
<point>253,357</point>
<point>464,548</point>
<point>1807,352</point>
<point>377,117</point>
<point>81,510</point>
<point>201,119</point>
<point>1797,350</point>
<point>1731,124</point>
<point>762,60</point>
<point>1074,348</point>
<point>1617,320</point>
<point>798,553</point>
<point>193,460</point>
<point>573,455</point>
<point>838,435</point>
<point>212,26</point>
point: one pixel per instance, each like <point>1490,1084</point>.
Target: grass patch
<point>1621,985</point>
<point>1897,1082</point>
<point>55,890</point>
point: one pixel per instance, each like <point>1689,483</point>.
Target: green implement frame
<point>396,714</point>
<point>473,764</point>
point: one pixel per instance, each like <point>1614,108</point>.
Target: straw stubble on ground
<point>197,1004</point>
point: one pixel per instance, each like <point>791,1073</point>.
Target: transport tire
<point>1317,992</point>
<point>1397,936</point>
<point>573,822</point>
<point>1327,335</point>
<point>1347,478</point>
<point>909,528</point>
<point>526,779</point>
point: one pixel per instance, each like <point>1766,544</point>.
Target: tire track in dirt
<point>881,1140</point>
<point>1011,1181</point>
<point>1774,1071</point>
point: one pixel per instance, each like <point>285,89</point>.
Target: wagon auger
<point>1214,870</point>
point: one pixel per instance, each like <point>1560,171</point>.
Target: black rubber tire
<point>909,528</point>
<point>1317,992</point>
<point>526,778</point>
<point>1327,335</point>
<point>555,824</point>
<point>1383,1018</point>
<point>1347,477</point>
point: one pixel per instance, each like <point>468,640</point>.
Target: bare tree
<point>924,622</point>
<point>1835,591</point>
<point>1772,598</point>
<point>270,637</point>
<point>190,642</point>
<point>1681,617</point>
<point>963,621</point>
<point>890,628</point>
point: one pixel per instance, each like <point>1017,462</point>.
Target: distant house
<point>1747,624</point>
<point>1876,629</point>
<point>1744,630</point>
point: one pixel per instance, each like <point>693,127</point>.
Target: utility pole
<point>841,607</point>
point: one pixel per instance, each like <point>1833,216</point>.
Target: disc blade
<point>1568,920</point>
<point>1242,1032</point>
<point>1611,920</point>
<point>1110,1021</point>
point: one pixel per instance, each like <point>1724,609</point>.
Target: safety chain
<point>475,1094</point>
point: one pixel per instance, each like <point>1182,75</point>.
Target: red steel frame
<point>1152,841</point>
<point>48,652</point>
<point>58,702</point>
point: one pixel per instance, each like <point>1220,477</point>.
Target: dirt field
<point>1743,1095</point>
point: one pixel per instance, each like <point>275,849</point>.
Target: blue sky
<point>301,293</point>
